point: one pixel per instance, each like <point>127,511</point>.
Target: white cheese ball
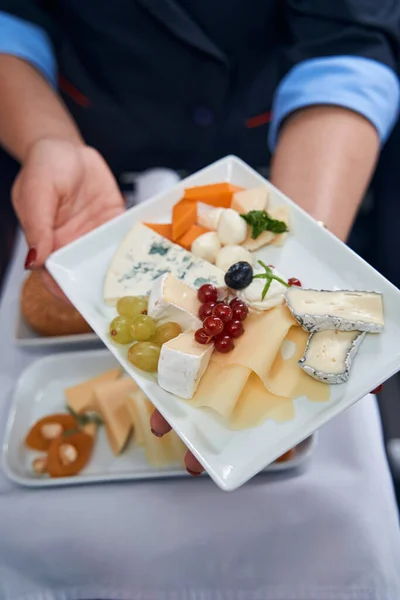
<point>207,246</point>
<point>208,216</point>
<point>232,229</point>
<point>229,255</point>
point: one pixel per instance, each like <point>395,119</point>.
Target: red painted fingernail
<point>378,389</point>
<point>156,433</point>
<point>30,258</point>
<point>193,473</point>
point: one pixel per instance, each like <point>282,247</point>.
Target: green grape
<point>144,356</point>
<point>132,306</point>
<point>143,328</point>
<point>120,330</point>
<point>166,332</point>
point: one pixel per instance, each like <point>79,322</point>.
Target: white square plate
<point>310,253</point>
<point>40,392</point>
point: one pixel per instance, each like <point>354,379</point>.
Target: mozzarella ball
<point>207,246</point>
<point>229,255</point>
<point>232,229</point>
<point>208,216</point>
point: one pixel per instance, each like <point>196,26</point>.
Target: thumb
<point>35,201</point>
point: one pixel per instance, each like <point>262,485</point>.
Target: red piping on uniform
<point>71,91</point>
<point>259,120</point>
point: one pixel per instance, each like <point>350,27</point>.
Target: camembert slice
<point>316,310</point>
<point>182,364</point>
<point>172,300</point>
<point>329,355</point>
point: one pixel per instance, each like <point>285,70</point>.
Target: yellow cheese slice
<point>160,452</point>
<point>287,378</point>
<point>257,348</point>
<point>111,403</point>
<point>256,404</point>
<point>138,430</point>
<point>80,397</point>
<point>220,387</point>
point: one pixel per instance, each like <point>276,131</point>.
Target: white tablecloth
<point>330,534</point>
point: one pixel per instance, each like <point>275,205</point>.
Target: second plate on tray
<point>40,392</point>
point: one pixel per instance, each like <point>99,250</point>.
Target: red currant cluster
<point>222,322</point>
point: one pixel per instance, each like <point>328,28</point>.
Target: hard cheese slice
<point>316,310</point>
<point>143,256</point>
<point>329,355</point>
<point>184,215</point>
<point>182,364</point>
<point>80,398</point>
<point>286,379</point>
<point>256,404</point>
<point>216,194</point>
<point>111,403</point>
<point>172,300</point>
<point>253,199</point>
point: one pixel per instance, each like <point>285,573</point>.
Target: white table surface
<point>329,534</point>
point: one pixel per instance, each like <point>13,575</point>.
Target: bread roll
<point>46,314</point>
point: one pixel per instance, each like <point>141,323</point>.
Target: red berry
<point>294,281</point>
<point>223,312</point>
<point>239,312</point>
<point>201,337</point>
<point>235,301</point>
<point>271,266</point>
<point>207,293</point>
<point>206,310</point>
<point>213,326</point>
<point>223,343</point>
<point>234,329</point>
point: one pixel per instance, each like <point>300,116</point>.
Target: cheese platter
<point>215,297</point>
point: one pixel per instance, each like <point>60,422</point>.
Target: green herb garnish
<point>269,276</point>
<point>85,418</point>
<point>260,220</point>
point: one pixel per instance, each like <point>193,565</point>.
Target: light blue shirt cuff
<point>30,42</point>
<point>366,86</point>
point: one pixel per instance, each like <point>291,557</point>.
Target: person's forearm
<point>324,161</point>
<point>29,109</point>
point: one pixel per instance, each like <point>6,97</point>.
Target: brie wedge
<point>316,310</point>
<point>182,364</point>
<point>172,300</point>
<point>329,355</point>
<point>143,256</point>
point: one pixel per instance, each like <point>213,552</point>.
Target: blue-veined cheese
<point>316,310</point>
<point>329,355</point>
<point>182,364</point>
<point>172,300</point>
<point>144,256</point>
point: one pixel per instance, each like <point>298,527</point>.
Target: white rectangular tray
<point>40,392</point>
<point>310,253</point>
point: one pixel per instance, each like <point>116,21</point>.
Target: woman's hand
<point>159,426</point>
<point>63,191</point>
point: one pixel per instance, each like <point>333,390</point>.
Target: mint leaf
<point>260,220</point>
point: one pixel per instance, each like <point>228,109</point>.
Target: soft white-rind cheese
<point>182,364</point>
<point>275,296</point>
<point>143,256</point>
<point>172,300</point>
<point>329,355</point>
<point>209,216</point>
<point>316,310</point>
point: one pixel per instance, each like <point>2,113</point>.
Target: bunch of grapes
<point>133,325</point>
<point>222,322</point>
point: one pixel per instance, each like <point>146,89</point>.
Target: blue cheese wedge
<point>172,300</point>
<point>144,256</point>
<point>329,355</point>
<point>182,364</point>
<point>316,310</point>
